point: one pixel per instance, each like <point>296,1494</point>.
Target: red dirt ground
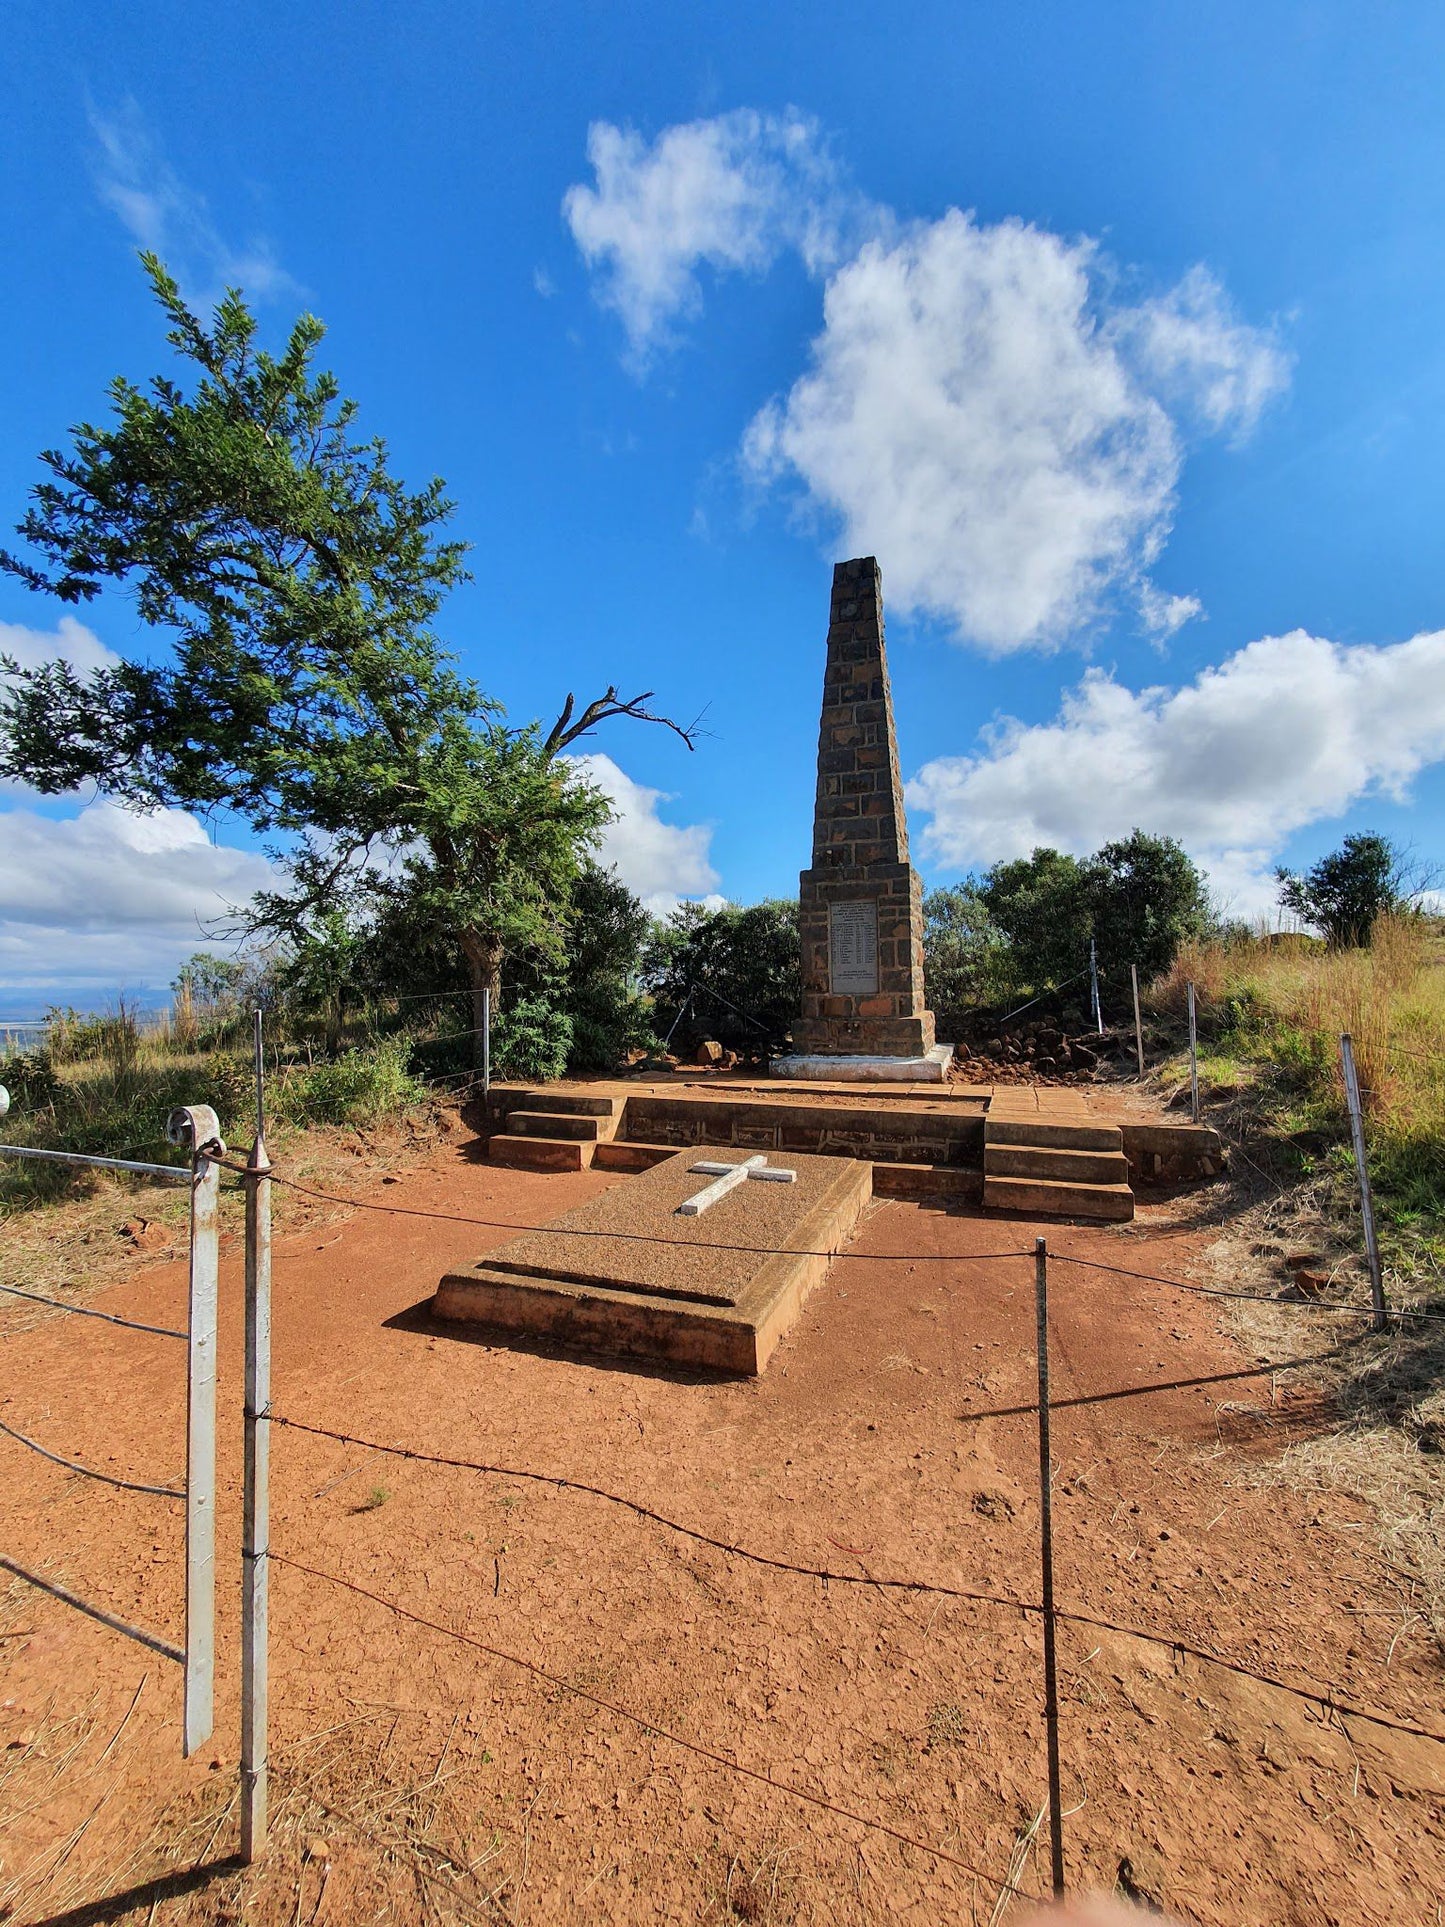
<point>419,1779</point>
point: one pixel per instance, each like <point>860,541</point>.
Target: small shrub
<point>229,1087</point>
<point>361,1085</point>
<point>31,1079</point>
<point>531,1039</point>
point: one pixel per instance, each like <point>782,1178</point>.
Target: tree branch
<point>564,732</point>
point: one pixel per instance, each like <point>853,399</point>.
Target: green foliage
<point>210,981</point>
<point>742,967</point>
<point>967,960</point>
<point>1040,903</point>
<point>531,1040</point>
<point>1138,899</point>
<point>363,1084</point>
<point>296,574</point>
<point>31,1078</point>
<point>112,1035</point>
<point>1346,893</point>
<point>1145,898</point>
<point>307,691</point>
<point>606,930</point>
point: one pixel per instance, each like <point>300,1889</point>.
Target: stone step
<point>1046,1134</point>
<point>1054,1198</point>
<point>570,1103</point>
<point>925,1183</point>
<point>554,1124</point>
<point>540,1153</point>
<point>1049,1161</point>
<point>623,1155</point>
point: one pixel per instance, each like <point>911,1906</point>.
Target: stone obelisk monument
<point>860,900</point>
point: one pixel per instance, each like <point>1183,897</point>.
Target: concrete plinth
<point>932,1068</point>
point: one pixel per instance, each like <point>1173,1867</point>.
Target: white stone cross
<point>725,1178</point>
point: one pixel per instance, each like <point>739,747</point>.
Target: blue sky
<point>1114,331</point>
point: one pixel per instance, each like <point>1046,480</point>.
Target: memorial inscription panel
<point>853,948</point>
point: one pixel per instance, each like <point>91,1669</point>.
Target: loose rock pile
<point>1035,1053</point>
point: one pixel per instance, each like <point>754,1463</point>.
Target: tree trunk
<point>484,973</point>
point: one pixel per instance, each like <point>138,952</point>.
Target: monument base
<point>932,1068</point>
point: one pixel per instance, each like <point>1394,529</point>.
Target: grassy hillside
<point>1271,1011</point>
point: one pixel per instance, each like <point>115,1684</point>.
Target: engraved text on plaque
<point>853,949</point>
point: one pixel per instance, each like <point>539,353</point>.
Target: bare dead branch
<point>564,732</point>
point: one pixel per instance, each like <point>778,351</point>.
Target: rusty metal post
<point>1193,1060</point>
<point>1367,1201</point>
<point>199,1129</point>
<point>1046,1550</point>
<point>1138,1020</point>
<point>256,1486</point>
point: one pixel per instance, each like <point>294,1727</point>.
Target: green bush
<point>361,1085</point>
<point>736,972</point>
<point>31,1078</point>
<point>531,1039</point>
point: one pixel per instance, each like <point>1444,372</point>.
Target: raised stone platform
<point>1048,1151</point>
<point>626,1273</point>
<point>932,1068</point>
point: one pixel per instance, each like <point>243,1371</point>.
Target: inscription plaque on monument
<point>853,948</point>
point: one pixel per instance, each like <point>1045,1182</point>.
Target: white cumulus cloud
<point>729,193</point>
<point>69,640</point>
<point>660,862</point>
<point>111,897</point>
<point>1288,731</point>
<point>980,416</point>
<point>983,410</point>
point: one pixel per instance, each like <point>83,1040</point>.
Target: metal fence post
<point>1138,1020</point>
<point>199,1129</point>
<point>486,1044</point>
<point>1193,1060</point>
<point>1367,1202</point>
<point>1046,1548</point>
<point>256,1485</point>
<point>1094,986</point>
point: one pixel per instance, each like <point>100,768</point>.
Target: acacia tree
<point>1345,894</point>
<point>306,689</point>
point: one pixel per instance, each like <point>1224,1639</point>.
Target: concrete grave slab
<point>629,1272</point>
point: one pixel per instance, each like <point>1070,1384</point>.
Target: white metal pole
<point>1193,1060</point>
<point>200,1126</point>
<point>1367,1202</point>
<point>1138,1020</point>
<point>256,1486</point>
<point>1094,986</point>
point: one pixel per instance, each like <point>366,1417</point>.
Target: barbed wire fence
<point>197,1130</point>
<point>258,1554</point>
<point>261,1416</point>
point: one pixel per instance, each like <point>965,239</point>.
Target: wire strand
<point>659,1732</point>
<point>867,1257</point>
<point>1326,1697</point>
<point>85,1311</point>
<point>90,1472</point>
<point>1248,1297</point>
<point>636,1237</point>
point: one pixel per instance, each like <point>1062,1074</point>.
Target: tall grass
<point>101,1086</point>
<point>1278,1008</point>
